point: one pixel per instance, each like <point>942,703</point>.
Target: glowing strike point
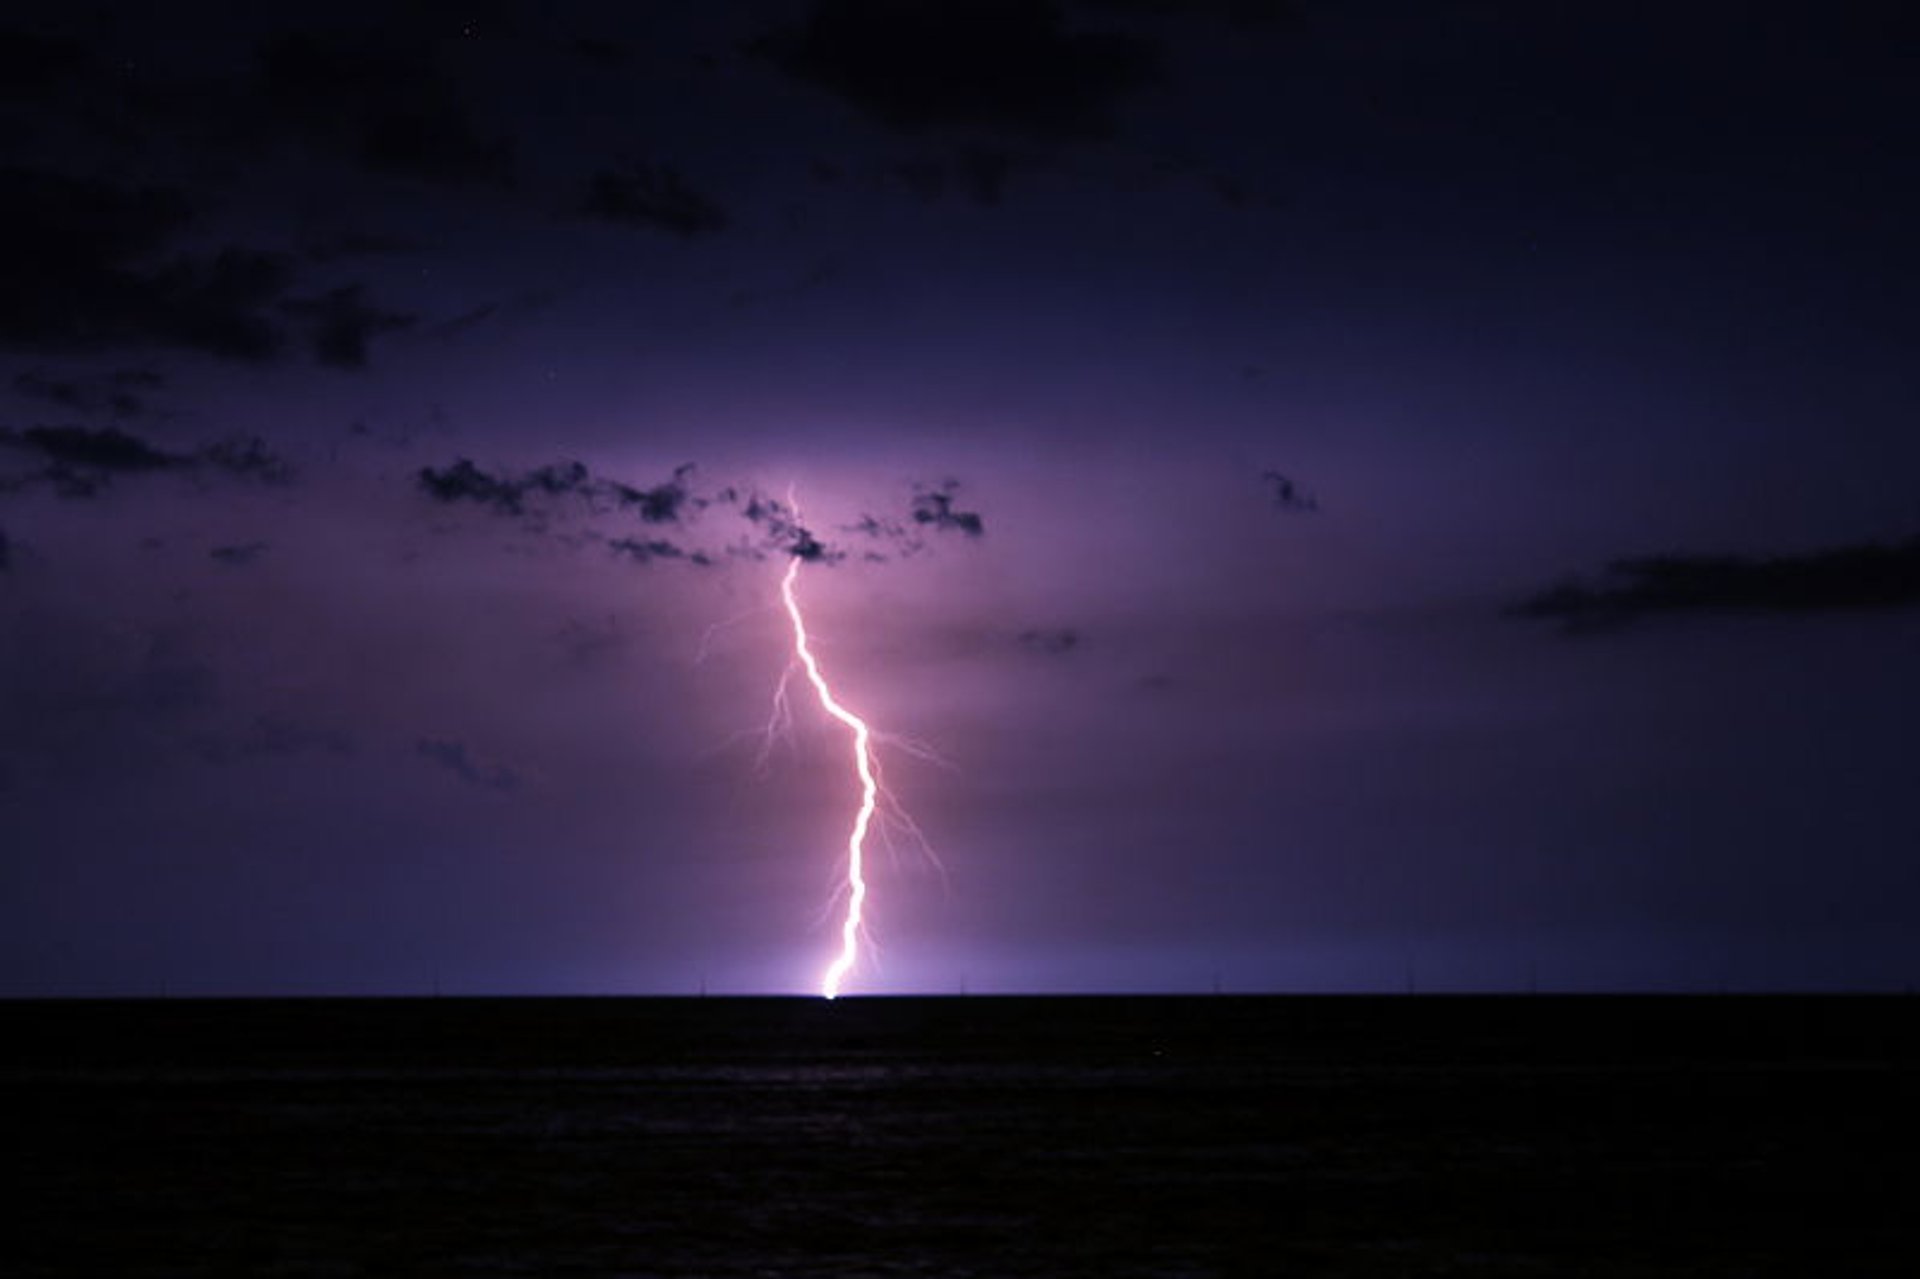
<point>869,790</point>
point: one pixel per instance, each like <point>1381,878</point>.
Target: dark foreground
<point>1114,1136</point>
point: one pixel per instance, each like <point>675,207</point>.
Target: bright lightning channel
<point>869,789</point>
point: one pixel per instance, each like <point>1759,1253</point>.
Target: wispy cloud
<point>457,760</point>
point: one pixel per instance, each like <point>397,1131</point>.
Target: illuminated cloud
<point>782,532</point>
<point>776,528</point>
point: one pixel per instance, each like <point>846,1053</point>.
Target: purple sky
<point>1350,494</point>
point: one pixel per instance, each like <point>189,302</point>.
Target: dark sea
<point>1200,1136</point>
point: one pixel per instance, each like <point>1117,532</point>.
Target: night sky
<point>1318,496</point>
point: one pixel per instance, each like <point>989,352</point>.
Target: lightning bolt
<point>863,764</point>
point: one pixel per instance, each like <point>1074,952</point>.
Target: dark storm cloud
<point>647,550</point>
<point>978,173</point>
<point>1871,575</point>
<point>35,67</point>
<point>782,532</point>
<point>247,457</point>
<point>1003,65</point>
<point>933,508</point>
<point>358,244</point>
<point>875,527</point>
<point>470,318</point>
<point>384,103</point>
<point>777,528</point>
<point>80,461</point>
<point>90,267</point>
<point>466,482</point>
<point>663,503</point>
<point>924,176</point>
<point>586,644</point>
<point>1287,495</point>
<point>606,54</point>
<point>898,538</point>
<point>172,681</point>
<point>64,392</point>
<point>272,737</point>
<point>1232,193</point>
<point>518,306</point>
<point>122,393</point>
<point>1052,641</point>
<point>653,196</point>
<point>84,269</point>
<point>238,554</point>
<point>455,758</point>
<point>983,172</point>
<point>1246,13</point>
<point>341,323</point>
<point>98,698</point>
<point>819,274</point>
<point>105,449</point>
<point>138,379</point>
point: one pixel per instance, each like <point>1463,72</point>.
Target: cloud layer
<point>1870,575</point>
<point>1005,66</point>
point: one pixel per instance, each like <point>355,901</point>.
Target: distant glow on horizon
<point>869,790</point>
